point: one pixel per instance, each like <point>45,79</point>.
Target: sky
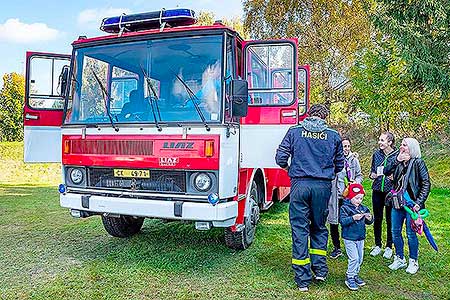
<point>51,26</point>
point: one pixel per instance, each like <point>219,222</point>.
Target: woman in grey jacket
<point>350,173</point>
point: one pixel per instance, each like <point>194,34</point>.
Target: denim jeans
<point>398,218</point>
<point>355,254</point>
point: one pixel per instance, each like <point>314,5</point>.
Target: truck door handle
<point>292,113</point>
<point>31,117</point>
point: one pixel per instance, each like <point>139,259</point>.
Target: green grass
<point>46,254</point>
<point>13,170</point>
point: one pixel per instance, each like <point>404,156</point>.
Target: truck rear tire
<point>240,240</point>
<point>123,226</point>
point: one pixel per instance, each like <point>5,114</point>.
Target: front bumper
<point>221,215</point>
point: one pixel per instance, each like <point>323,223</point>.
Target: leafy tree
<point>383,88</point>
<point>11,107</point>
<point>330,32</point>
<point>207,18</point>
<point>421,31</point>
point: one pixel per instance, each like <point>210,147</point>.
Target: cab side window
<point>45,82</point>
<point>270,74</point>
<point>229,75</point>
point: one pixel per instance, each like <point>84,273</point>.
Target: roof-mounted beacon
<point>149,20</point>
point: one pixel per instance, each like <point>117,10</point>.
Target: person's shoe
<point>398,263</point>
<point>303,288</point>
<point>336,253</point>
<point>359,281</point>
<point>387,253</point>
<point>321,278</point>
<point>375,251</point>
<point>413,266</point>
<point>351,284</point>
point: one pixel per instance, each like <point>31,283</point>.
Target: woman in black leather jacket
<point>418,187</point>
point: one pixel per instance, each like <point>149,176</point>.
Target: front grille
<point>112,147</point>
<point>159,181</point>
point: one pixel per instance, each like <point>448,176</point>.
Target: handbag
<point>395,197</point>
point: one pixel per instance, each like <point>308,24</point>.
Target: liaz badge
<point>168,161</point>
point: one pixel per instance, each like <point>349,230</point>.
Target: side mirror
<point>63,77</point>
<point>239,96</point>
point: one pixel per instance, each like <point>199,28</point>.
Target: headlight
<point>202,182</point>
<point>76,175</point>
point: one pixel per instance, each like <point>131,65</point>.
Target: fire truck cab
<point>165,119</point>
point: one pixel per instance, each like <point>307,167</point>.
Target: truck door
<point>45,83</point>
<point>303,90</point>
<point>270,68</point>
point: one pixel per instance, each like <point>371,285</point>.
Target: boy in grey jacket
<point>350,173</point>
<point>353,218</point>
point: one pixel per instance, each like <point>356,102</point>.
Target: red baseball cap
<point>355,189</point>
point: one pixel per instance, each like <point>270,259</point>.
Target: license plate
<point>131,173</point>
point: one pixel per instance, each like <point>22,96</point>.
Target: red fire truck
<point>165,119</point>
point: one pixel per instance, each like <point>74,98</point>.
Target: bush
<point>11,107</point>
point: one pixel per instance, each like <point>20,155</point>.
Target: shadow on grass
<point>36,223</point>
<point>177,246</point>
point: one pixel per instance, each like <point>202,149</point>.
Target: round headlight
<point>76,175</point>
<point>202,182</point>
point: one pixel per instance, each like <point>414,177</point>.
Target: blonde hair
<point>414,147</point>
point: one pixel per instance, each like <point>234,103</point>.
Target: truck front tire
<point>123,226</point>
<point>242,239</point>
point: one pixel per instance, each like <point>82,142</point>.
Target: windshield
<point>156,81</point>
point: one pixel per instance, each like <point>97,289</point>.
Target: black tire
<point>240,240</point>
<point>257,194</point>
<point>123,226</point>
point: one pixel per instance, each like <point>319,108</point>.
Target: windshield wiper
<point>193,98</point>
<point>151,88</point>
<point>106,100</point>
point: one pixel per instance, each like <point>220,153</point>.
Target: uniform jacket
<point>352,168</point>
<point>353,230</point>
<point>315,150</point>
<point>418,185</point>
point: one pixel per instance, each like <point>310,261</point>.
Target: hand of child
<point>358,217</point>
<point>373,175</point>
<point>368,216</point>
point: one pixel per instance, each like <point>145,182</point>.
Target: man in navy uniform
<point>316,156</point>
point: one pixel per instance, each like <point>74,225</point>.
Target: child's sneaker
<point>320,278</point>
<point>303,288</point>
<point>359,281</point>
<point>413,266</point>
<point>387,253</point>
<point>398,263</point>
<point>336,253</point>
<point>375,251</point>
<point>351,284</point>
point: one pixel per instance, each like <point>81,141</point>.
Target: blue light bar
<point>149,20</point>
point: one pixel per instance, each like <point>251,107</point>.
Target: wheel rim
<point>253,217</point>
<point>254,196</point>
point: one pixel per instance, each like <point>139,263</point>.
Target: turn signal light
<point>66,146</point>
<point>209,148</point>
